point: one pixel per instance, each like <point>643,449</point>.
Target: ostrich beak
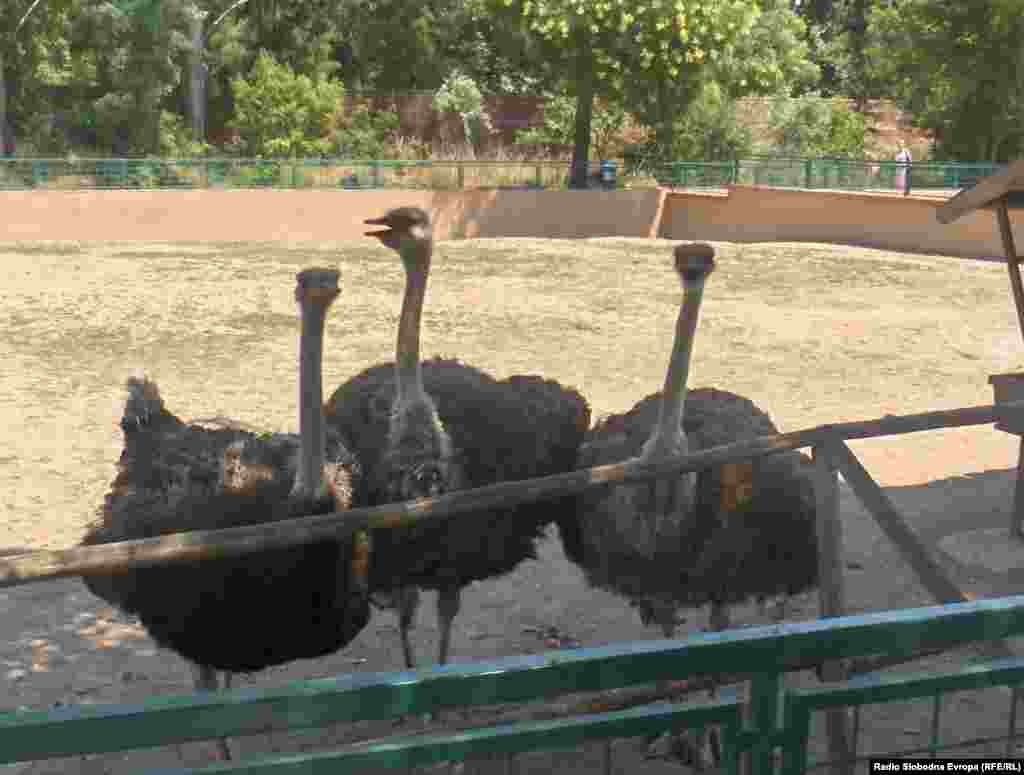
<point>388,236</point>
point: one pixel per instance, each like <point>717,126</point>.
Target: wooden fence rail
<point>831,454</point>
<point>210,544</point>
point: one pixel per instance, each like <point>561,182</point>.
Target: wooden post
<point>1013,267</point>
<point>1017,517</point>
<point>832,597</point>
<point>1012,263</point>
<point>932,576</point>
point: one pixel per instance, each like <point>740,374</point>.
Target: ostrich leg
<point>710,748</point>
<point>448,604</point>
<point>408,600</point>
<point>206,681</point>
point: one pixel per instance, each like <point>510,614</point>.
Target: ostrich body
<point>424,429</point>
<point>690,541</point>
<point>238,614</point>
<point>671,544</point>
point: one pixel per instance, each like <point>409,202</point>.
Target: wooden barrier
<point>830,451</point>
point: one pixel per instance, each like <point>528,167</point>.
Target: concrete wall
<point>744,214</point>
<point>318,216</point>
<point>891,221</point>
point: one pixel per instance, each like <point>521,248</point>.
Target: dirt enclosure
<point>813,333</point>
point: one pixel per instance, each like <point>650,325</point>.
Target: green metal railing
<point>778,719</point>
<point>17,174</point>
<point>772,719</point>
<point>86,174</point>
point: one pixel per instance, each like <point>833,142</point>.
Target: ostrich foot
<point>206,681</point>
<point>687,748</point>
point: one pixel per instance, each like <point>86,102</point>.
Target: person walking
<point>903,158</point>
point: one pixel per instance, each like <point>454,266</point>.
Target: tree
<point>666,47</point>
<point>281,113</point>
<point>958,68</point>
<point>28,30</point>
<point>460,94</point>
<point>774,58</point>
<point>395,45</point>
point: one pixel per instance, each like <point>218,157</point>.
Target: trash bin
<point>607,174</point>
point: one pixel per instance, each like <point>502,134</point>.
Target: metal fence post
<point>763,714</point>
<point>832,595</point>
<point>461,170</point>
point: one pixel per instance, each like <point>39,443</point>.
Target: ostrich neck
<point>668,436</point>
<point>309,479</point>
<point>409,375</point>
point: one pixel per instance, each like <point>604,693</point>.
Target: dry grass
<point>813,333</point>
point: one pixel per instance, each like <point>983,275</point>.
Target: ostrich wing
<point>518,428</point>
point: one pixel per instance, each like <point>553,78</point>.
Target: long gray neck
<point>668,431</point>
<point>309,479</point>
<point>408,374</point>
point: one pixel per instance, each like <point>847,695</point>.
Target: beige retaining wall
<point>891,221</point>
<point>743,214</point>
<point>318,216</point>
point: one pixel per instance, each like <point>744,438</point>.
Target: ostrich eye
<point>427,480</point>
<point>428,477</point>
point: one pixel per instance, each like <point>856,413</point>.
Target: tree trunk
<point>197,79</point>
<point>584,110</point>
<point>664,131</point>
<point>3,107</point>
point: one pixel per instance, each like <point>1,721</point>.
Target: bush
<point>115,114</point>
<point>460,94</point>
<point>176,139</point>
<point>364,134</point>
<point>281,114</point>
<point>609,124</point>
<point>709,130</point>
<point>812,126</point>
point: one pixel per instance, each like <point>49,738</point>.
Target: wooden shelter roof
<point>1008,182</point>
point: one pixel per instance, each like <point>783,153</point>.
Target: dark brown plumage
<point>687,550</point>
<point>422,430</point>
<point>763,549</point>
<point>246,613</point>
<point>690,540</point>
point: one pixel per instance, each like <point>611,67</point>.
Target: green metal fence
<point>85,174</point>
<point>775,719</point>
<point>17,174</point>
<point>771,721</point>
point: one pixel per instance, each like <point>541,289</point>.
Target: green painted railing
<point>85,174</point>
<point>774,719</point>
<point>777,719</point>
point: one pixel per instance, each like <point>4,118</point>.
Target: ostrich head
<point>408,232</point>
<point>420,463</point>
<point>315,291</point>
<point>674,498</point>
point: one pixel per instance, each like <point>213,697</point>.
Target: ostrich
<point>685,542</point>
<point>238,614</point>
<point>424,429</point>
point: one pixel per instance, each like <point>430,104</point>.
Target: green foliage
<point>460,94</point>
<point>365,134</point>
<point>817,126</point>
<point>176,141</point>
<point>279,113</point>
<point>956,67</point>
<point>773,58</point>
<point>395,45</point>
<point>606,128</point>
<point>709,131</point>
<point>115,112</point>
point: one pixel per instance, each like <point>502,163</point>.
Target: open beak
<point>388,236</point>
<point>382,221</point>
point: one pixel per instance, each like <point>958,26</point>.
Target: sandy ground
<point>813,333</point>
